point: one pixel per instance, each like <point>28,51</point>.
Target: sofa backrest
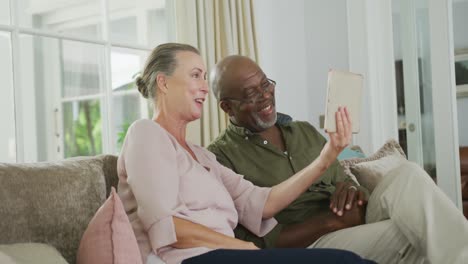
<point>109,167</point>
<point>53,202</point>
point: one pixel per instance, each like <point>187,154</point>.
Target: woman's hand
<point>249,245</point>
<point>339,139</point>
<point>190,235</point>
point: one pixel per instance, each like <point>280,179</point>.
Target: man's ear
<point>226,106</point>
<point>161,80</point>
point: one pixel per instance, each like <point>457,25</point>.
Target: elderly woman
<point>184,205</point>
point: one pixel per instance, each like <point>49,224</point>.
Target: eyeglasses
<point>251,98</point>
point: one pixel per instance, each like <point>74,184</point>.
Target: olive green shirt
<point>265,165</point>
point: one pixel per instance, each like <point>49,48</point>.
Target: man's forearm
<point>306,233</point>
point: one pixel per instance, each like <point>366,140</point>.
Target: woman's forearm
<point>284,193</point>
<point>191,235</point>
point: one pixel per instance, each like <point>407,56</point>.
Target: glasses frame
<point>253,99</point>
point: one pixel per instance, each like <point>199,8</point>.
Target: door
<point>423,48</point>
<point>413,79</point>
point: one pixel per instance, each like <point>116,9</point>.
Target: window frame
<point>26,149</point>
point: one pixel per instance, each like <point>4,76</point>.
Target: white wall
<point>298,41</point>
<point>281,52</point>
<point>326,32</point>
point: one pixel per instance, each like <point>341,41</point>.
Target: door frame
<point>445,99</point>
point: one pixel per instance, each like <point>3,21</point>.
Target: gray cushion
<point>26,253</point>
<point>52,202</point>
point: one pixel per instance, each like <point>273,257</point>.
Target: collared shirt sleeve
<point>249,200</point>
<point>151,165</point>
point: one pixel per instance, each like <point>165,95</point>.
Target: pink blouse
<point>159,179</point>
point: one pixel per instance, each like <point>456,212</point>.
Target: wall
<point>281,52</point>
<point>327,48</point>
<point>297,44</point>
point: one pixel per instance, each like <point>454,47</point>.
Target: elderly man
<point>406,220</point>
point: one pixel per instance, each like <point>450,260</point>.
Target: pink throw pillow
<point>109,237</point>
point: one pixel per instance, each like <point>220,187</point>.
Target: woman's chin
<point>196,115</point>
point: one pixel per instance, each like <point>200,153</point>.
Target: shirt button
<point>246,138</point>
<point>265,142</point>
<point>285,153</point>
<point>290,157</point>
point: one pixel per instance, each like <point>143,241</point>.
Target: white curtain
<point>218,28</point>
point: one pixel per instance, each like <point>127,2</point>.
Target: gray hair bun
<point>142,88</point>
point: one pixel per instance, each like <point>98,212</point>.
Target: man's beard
<point>264,124</point>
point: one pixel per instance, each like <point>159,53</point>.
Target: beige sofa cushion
<point>51,202</point>
<point>5,259</point>
<point>26,253</point>
<point>369,171</point>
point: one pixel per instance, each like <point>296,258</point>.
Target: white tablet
<point>344,89</point>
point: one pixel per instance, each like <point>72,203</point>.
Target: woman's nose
<point>205,87</point>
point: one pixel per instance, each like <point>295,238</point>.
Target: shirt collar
<point>281,120</point>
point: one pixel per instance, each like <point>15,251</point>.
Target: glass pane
<point>418,15</point>
<point>82,128</point>
<point>5,12</point>
<point>128,105</point>
<point>52,69</point>
<point>134,23</point>
<point>460,39</point>
<point>425,90</point>
<point>7,115</point>
<point>82,69</point>
<point>126,110</point>
<point>81,18</point>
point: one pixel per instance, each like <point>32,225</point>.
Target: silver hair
<point>161,60</point>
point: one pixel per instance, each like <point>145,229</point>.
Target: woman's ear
<point>226,108</point>
<point>161,81</point>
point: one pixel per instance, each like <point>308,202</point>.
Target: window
<point>79,18</point>
<point>128,105</point>
<point>74,70</point>
<point>4,12</point>
<point>128,22</point>
<point>7,133</point>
